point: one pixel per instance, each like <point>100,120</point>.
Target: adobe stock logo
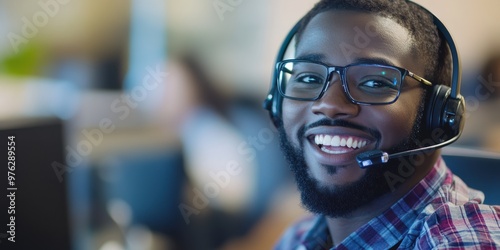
<point>40,19</point>
<point>211,190</point>
<point>361,40</point>
<point>223,6</point>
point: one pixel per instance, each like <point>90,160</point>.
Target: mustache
<point>338,123</point>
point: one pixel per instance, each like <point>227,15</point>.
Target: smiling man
<point>363,78</point>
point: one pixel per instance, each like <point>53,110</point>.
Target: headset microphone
<point>373,158</point>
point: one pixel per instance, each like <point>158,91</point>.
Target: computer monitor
<point>34,192</point>
<point>479,169</point>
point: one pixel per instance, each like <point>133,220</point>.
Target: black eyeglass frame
<point>341,70</point>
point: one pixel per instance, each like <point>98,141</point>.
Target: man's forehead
<point>354,35</point>
<point>342,23</point>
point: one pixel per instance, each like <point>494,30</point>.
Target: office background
<point>155,111</point>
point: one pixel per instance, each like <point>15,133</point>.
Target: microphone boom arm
<point>378,157</point>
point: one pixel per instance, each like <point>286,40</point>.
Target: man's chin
<point>320,196</point>
<point>334,175</point>
<point>338,200</point>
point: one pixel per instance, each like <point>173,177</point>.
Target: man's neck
<point>340,228</point>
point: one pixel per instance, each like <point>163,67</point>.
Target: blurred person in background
<point>230,155</point>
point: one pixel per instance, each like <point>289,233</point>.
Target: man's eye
<point>372,84</point>
<point>376,84</point>
<point>309,79</point>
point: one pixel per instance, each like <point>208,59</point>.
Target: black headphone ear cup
<point>277,107</point>
<point>273,106</point>
<point>277,100</point>
<point>453,116</point>
<point>273,101</point>
<point>434,108</point>
<point>444,114</point>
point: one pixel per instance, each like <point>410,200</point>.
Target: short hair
<point>427,41</point>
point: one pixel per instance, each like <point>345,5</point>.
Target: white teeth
<point>327,140</point>
<point>336,141</point>
<point>349,142</point>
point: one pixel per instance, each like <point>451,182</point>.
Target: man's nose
<point>335,103</point>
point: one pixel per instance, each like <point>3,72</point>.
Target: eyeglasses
<point>368,84</point>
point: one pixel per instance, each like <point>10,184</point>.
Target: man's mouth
<point>338,144</point>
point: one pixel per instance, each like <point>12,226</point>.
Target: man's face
<point>329,177</point>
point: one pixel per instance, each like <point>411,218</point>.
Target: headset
<point>444,108</point>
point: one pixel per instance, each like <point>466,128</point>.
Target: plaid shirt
<point>440,212</point>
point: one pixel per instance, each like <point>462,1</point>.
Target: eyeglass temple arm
<point>419,78</point>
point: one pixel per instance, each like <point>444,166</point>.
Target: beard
<point>341,200</point>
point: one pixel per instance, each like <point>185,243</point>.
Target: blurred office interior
<point>155,107</point>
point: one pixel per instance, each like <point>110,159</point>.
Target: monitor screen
<point>33,207</point>
<point>479,169</point>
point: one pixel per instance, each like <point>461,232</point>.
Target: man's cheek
<point>393,129</point>
<point>293,116</point>
<point>289,128</point>
<point>291,135</point>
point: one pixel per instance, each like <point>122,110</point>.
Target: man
<point>360,80</point>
